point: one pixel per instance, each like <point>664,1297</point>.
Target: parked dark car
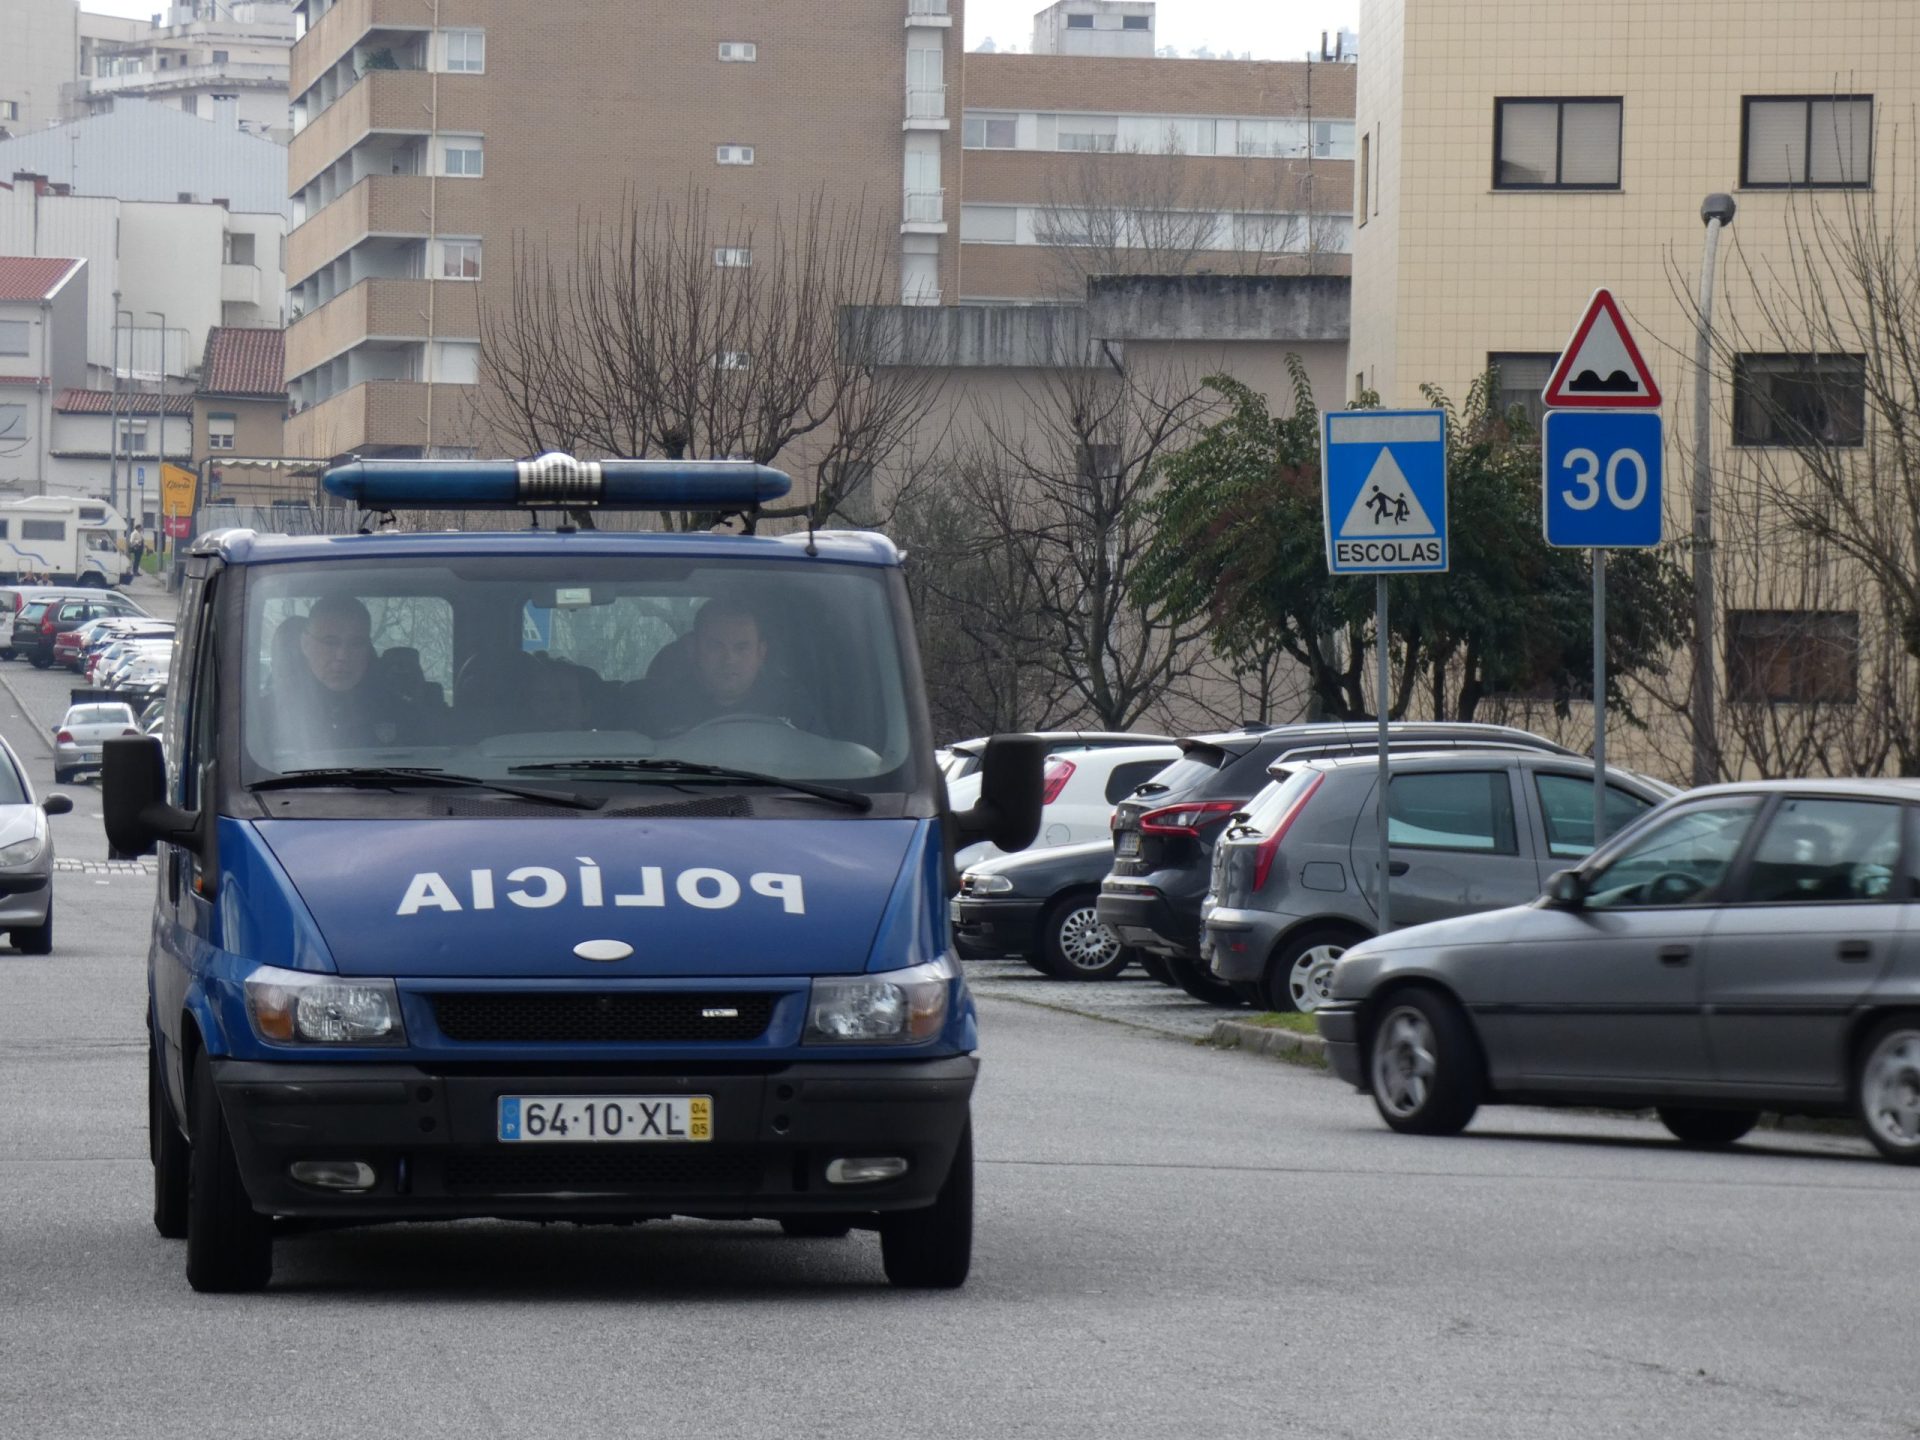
<point>1165,831</point>
<point>15,598</point>
<point>37,627</point>
<point>1038,905</point>
<point>1743,948</point>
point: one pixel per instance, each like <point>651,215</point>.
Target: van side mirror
<point>1567,889</point>
<point>1008,810</point>
<point>133,784</point>
<point>57,805</point>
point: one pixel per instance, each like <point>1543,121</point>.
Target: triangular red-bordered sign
<point>1601,368</point>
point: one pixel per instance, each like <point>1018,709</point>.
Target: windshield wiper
<point>390,775</point>
<point>666,765</point>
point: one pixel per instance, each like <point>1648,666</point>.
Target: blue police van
<point>555,873</point>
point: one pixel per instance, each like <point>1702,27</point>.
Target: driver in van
<point>730,673</point>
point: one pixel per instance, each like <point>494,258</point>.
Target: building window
<point>1362,179</point>
<point>13,337</point>
<point>1135,22</point>
<point>990,224</point>
<point>733,154</point>
<point>133,436</point>
<point>459,259</point>
<point>1789,400</point>
<point>240,248</point>
<point>9,109</point>
<point>13,424</point>
<point>732,257</point>
<point>1079,22</point>
<point>1520,376</point>
<point>1089,132</point>
<point>1556,144</point>
<point>1815,140</point>
<point>1333,139</point>
<point>1100,461</point>
<point>466,51</point>
<point>219,57</point>
<point>462,155</point>
<point>220,432</point>
<point>1793,657</point>
<point>989,132</point>
<point>731,360</point>
<point>739,50</point>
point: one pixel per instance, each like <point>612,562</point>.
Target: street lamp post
<point>117,407</point>
<point>1717,212</point>
<point>160,465</point>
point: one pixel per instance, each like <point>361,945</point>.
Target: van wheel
<point>1297,975</point>
<point>1887,1089</point>
<point>817,1227</point>
<point>1192,977</point>
<point>932,1249</point>
<point>1075,945</point>
<point>1706,1127</point>
<point>229,1244</point>
<point>168,1149</point>
<point>35,939</point>
<point>1424,1065</point>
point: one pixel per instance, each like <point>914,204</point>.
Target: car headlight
<point>23,852</point>
<point>292,1007</point>
<point>977,884</point>
<point>898,1007</point>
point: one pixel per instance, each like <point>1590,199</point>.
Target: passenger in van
<point>729,673</point>
<point>336,700</point>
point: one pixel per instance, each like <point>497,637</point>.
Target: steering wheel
<point>1670,887</point>
<point>738,717</point>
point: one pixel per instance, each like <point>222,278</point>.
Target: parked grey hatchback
<point>1744,948</point>
<point>1294,880</point>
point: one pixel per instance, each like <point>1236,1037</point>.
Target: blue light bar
<point>556,481</point>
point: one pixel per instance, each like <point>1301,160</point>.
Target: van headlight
<point>293,1007</point>
<point>901,1007</point>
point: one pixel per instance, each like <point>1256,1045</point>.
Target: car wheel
<point>1298,975</point>
<point>1075,945</point>
<point>35,939</point>
<point>932,1249</point>
<point>1250,991</point>
<point>168,1149</point>
<point>1424,1064</point>
<point>1888,1089</point>
<point>1192,977</point>
<point>63,777</point>
<point>229,1244</point>
<point>817,1227</point>
<point>6,654</point>
<point>1706,1127</point>
<point>40,662</point>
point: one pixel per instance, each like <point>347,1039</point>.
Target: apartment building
<point>209,58</point>
<point>1513,156</point>
<point>43,350</point>
<point>39,49</point>
<point>429,137</point>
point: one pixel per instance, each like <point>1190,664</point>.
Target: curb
<point>1288,1045</point>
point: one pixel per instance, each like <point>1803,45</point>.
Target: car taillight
<point>1263,853</point>
<point>46,627</point>
<point>1058,773</point>
<point>63,737</point>
<point>1187,819</point>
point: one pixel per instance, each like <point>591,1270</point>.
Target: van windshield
<point>597,670</point>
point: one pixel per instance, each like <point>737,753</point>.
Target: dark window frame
<point>1559,140</point>
<point>1747,102</point>
<point>1513,811</point>
<point>1080,22</point>
<point>1748,673</point>
<point>1135,22</point>
<point>1776,437</point>
<point>1535,405</point>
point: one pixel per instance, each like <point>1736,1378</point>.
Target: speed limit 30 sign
<point>1602,473</point>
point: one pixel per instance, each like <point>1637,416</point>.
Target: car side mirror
<point>57,805</point>
<point>133,784</point>
<point>1567,889</point>
<point>1008,810</point>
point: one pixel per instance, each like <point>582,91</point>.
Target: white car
<point>26,857</point>
<point>962,757</point>
<point>1082,787</point>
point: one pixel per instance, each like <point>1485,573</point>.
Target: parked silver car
<point>78,739</point>
<point>1294,877</point>
<point>26,857</point>
<point>1743,948</point>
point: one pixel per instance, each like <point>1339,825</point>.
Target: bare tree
<point>673,331</point>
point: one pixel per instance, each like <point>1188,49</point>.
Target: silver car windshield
<point>526,664</point>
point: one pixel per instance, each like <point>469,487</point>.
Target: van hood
<point>513,898</point>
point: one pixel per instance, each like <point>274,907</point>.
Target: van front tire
<point>168,1149</point>
<point>229,1244</point>
<point>932,1249</point>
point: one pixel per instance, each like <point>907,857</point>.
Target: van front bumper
<point>430,1139</point>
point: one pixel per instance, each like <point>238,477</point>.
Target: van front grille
<point>602,1017</point>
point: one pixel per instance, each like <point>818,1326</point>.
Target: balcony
<point>924,212</point>
<point>238,75</point>
<point>384,101</point>
<point>393,205</point>
<point>382,413</point>
<point>926,109</point>
<point>239,285</point>
<point>337,31</point>
<point>929,13</point>
<point>383,307</point>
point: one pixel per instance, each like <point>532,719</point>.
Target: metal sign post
<point>1383,493</point>
<point>1599,696</point>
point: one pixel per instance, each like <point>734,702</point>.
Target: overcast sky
<point>1271,29</point>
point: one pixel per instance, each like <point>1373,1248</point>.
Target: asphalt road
<point>1172,1241</point>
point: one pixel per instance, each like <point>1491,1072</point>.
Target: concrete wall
<point>39,52</point>
<point>259,426</point>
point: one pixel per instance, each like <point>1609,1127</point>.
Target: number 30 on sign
<point>1602,480</point>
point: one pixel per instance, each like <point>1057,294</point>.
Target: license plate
<point>1127,843</point>
<point>603,1119</point>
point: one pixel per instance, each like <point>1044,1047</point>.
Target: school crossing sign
<point>1384,490</point>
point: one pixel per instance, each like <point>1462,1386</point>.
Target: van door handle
<point>1398,867</point>
<point>1854,951</point>
<point>1675,954</point>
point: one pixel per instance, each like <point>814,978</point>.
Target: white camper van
<point>60,540</point>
